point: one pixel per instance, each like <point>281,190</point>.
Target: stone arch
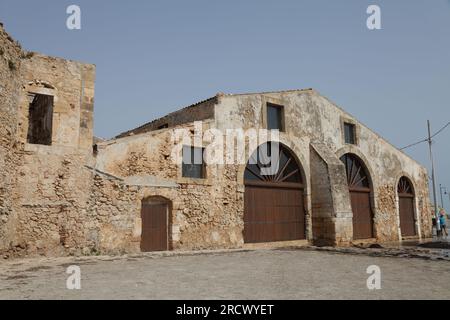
<point>357,152</point>
<point>41,84</point>
<point>404,174</point>
<point>296,151</point>
<point>156,199</point>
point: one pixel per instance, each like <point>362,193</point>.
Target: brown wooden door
<point>407,221</point>
<point>273,214</point>
<point>360,188</point>
<point>273,203</point>
<point>154,227</point>
<point>362,215</point>
<point>406,207</point>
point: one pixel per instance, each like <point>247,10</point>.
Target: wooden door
<point>407,222</point>
<point>273,204</point>
<point>362,215</point>
<point>406,208</point>
<point>154,227</point>
<point>273,214</point>
<point>360,189</point>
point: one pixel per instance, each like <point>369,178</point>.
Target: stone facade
<point>70,197</point>
<point>10,63</point>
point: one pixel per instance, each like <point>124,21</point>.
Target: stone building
<point>63,193</point>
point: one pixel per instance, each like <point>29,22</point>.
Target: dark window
<point>164,126</point>
<point>350,133</point>
<point>40,120</point>
<point>95,149</point>
<point>193,164</point>
<point>274,117</point>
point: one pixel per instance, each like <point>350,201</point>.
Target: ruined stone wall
<point>47,184</point>
<point>52,204</point>
<point>71,84</point>
<point>10,63</point>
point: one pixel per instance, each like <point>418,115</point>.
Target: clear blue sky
<point>154,57</point>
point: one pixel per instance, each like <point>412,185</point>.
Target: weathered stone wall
<point>71,84</point>
<point>51,204</point>
<point>308,114</point>
<point>209,213</point>
<point>10,63</point>
<point>44,207</point>
<point>331,209</point>
<point>205,213</point>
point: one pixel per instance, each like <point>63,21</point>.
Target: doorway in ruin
<point>359,185</point>
<point>406,202</point>
<point>155,215</point>
<point>40,120</point>
<point>274,204</point>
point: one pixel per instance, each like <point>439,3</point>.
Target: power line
<point>414,144</point>
<point>426,140</point>
<point>445,127</point>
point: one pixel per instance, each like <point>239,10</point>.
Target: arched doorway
<point>155,215</point>
<point>406,207</point>
<point>360,189</point>
<point>273,203</point>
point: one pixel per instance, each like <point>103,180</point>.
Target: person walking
<point>442,221</point>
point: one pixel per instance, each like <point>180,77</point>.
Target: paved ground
<point>263,274</point>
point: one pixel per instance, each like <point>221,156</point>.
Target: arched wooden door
<point>360,189</point>
<point>406,208</point>
<point>273,203</point>
<point>155,225</point>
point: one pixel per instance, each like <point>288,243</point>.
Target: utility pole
<point>433,178</point>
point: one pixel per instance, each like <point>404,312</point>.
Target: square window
<point>350,133</point>
<point>40,120</point>
<point>193,165</point>
<point>275,117</point>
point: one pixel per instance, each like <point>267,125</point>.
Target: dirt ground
<point>260,274</point>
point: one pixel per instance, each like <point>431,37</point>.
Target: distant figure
<point>442,222</point>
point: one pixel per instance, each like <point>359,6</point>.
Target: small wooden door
<point>155,223</point>
<point>406,208</point>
